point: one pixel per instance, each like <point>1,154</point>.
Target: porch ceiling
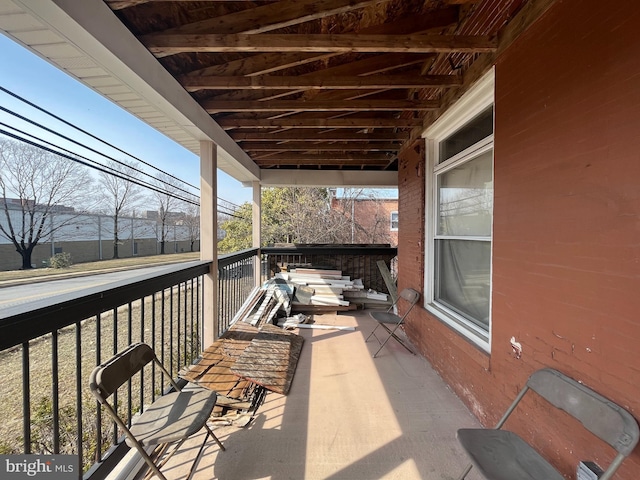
<point>297,85</point>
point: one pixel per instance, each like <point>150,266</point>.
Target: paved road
<point>20,294</point>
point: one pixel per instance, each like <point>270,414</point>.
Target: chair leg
<point>199,455</point>
<point>214,437</point>
<point>372,332</point>
<point>466,472</point>
<point>392,333</point>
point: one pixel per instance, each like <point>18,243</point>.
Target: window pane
<point>465,198</point>
<point>394,220</point>
<point>463,278</point>
<point>474,131</point>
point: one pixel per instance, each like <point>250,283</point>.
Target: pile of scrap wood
<point>326,288</point>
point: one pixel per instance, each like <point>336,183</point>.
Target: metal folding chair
<point>173,417</point>
<point>503,455</point>
<point>390,321</point>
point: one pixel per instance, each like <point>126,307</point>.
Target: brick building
<point>373,220</point>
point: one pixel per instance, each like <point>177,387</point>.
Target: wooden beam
<point>120,4</point>
<point>320,82</point>
<point>304,135</point>
<point>267,63</point>
<point>328,147</point>
<point>259,64</point>
<point>217,106</point>
<point>265,18</point>
<point>162,44</point>
<point>319,122</point>
<point>320,160</point>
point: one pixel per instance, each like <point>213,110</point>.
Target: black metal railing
<point>236,278</point>
<point>49,348</point>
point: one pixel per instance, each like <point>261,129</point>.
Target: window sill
<point>462,326</point>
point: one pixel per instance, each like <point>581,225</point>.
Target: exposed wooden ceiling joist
<point>301,159</point>
<point>328,147</point>
<point>265,18</point>
<point>166,44</point>
<point>323,106</point>
<point>316,123</point>
<point>301,135</point>
<point>350,80</point>
<point>320,82</point>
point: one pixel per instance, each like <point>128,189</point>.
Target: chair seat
<point>173,417</point>
<point>503,455</point>
<point>385,317</point>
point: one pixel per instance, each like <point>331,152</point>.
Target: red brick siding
<point>566,254</point>
<point>411,187</point>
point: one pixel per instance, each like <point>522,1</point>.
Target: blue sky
<point>34,79</point>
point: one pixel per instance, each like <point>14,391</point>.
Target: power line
<point>22,99</point>
<point>103,168</point>
<point>32,122</point>
<point>111,170</point>
<point>85,161</point>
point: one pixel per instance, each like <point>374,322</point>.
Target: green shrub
<point>60,260</point>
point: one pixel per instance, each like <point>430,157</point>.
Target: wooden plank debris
<point>388,280</point>
<point>212,371</point>
<point>271,359</point>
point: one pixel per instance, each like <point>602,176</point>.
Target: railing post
<point>209,239</point>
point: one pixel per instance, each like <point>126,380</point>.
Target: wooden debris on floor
<point>271,359</point>
<point>213,370</point>
<point>264,303</point>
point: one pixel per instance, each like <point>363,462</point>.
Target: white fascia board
<point>328,178</point>
<point>93,29</point>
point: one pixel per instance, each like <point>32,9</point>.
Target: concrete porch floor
<point>347,416</point>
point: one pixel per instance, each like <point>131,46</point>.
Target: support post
<point>257,230</point>
<point>209,239</point>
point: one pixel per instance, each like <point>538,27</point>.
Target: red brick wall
<point>372,218</point>
<point>566,250</point>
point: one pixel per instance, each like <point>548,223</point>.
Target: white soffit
<point>86,40</point>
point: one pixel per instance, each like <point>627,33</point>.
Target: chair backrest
<point>109,376</point>
<point>411,296</point>
<point>600,416</point>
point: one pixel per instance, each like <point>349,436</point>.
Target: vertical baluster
<point>129,341</point>
<point>115,394</point>
<point>171,343</point>
<point>26,399</point>
<point>162,330</point>
<point>179,319</point>
<point>192,317</point>
<point>153,345</point>
<point>184,324</point>
<point>142,300</point>
<point>200,307</point>
<point>55,384</point>
<point>79,415</point>
<point>98,456</point>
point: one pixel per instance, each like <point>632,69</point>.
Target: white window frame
<point>391,227</point>
<point>472,103</point>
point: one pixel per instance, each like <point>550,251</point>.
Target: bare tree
<point>167,205</point>
<point>121,197</point>
<point>191,222</point>
<point>35,184</point>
